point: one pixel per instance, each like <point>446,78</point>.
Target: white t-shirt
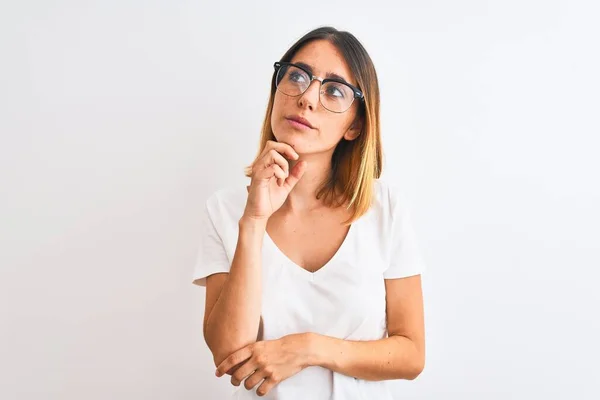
<point>344,299</point>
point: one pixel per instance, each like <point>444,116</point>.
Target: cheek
<point>278,107</point>
<point>282,105</point>
<point>282,102</point>
<point>334,126</point>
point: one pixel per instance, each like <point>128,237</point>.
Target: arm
<point>233,301</point>
<point>399,356</point>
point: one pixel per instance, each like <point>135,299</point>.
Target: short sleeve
<point>405,254</point>
<point>211,256</point>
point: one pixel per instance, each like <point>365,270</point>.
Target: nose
<point>309,98</point>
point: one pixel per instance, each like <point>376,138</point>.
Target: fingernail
<point>217,372</point>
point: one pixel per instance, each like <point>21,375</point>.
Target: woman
<point>312,272</point>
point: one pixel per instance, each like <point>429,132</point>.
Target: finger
<point>266,387</point>
<point>295,174</point>
<point>244,371</point>
<point>281,147</point>
<point>233,369</point>
<point>254,379</point>
<point>236,381</point>
<point>279,174</point>
<point>273,157</point>
<point>241,355</point>
<point>273,171</point>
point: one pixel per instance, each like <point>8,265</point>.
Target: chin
<point>290,136</point>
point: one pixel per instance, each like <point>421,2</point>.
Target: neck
<point>303,198</point>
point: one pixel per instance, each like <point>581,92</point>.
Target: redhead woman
<point>313,271</point>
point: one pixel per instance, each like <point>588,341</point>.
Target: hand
<point>272,180</point>
<point>271,360</point>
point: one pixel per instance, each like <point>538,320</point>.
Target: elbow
<point>217,347</point>
<point>222,347</point>
<point>412,360</point>
<point>219,357</point>
<point>416,368</point>
<point>220,353</point>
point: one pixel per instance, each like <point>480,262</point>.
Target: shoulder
<point>388,198</point>
<point>227,202</point>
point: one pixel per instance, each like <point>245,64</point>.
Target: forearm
<point>234,320</point>
<point>395,357</point>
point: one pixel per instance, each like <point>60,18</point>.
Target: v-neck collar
<point>323,269</point>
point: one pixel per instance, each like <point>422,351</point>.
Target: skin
<point>281,201</point>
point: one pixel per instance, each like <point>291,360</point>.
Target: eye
<point>297,77</point>
<point>335,90</point>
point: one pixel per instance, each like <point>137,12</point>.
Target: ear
<point>354,130</point>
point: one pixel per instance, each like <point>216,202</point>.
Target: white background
<point>119,118</point>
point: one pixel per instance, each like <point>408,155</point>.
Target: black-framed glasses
<point>335,95</point>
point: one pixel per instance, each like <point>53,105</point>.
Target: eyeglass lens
<point>334,96</point>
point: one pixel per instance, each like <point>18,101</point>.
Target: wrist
<point>314,346</point>
<point>252,224</point>
<point>251,233</point>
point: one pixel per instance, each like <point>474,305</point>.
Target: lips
<point>300,120</point>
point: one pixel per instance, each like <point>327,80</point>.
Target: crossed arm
<point>232,336</point>
<point>399,356</point>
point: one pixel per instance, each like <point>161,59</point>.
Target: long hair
<point>355,163</point>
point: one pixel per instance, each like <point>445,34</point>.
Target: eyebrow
<point>327,75</point>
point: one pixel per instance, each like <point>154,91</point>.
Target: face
<point>326,128</point>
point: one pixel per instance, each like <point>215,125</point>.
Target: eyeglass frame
<point>358,94</point>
